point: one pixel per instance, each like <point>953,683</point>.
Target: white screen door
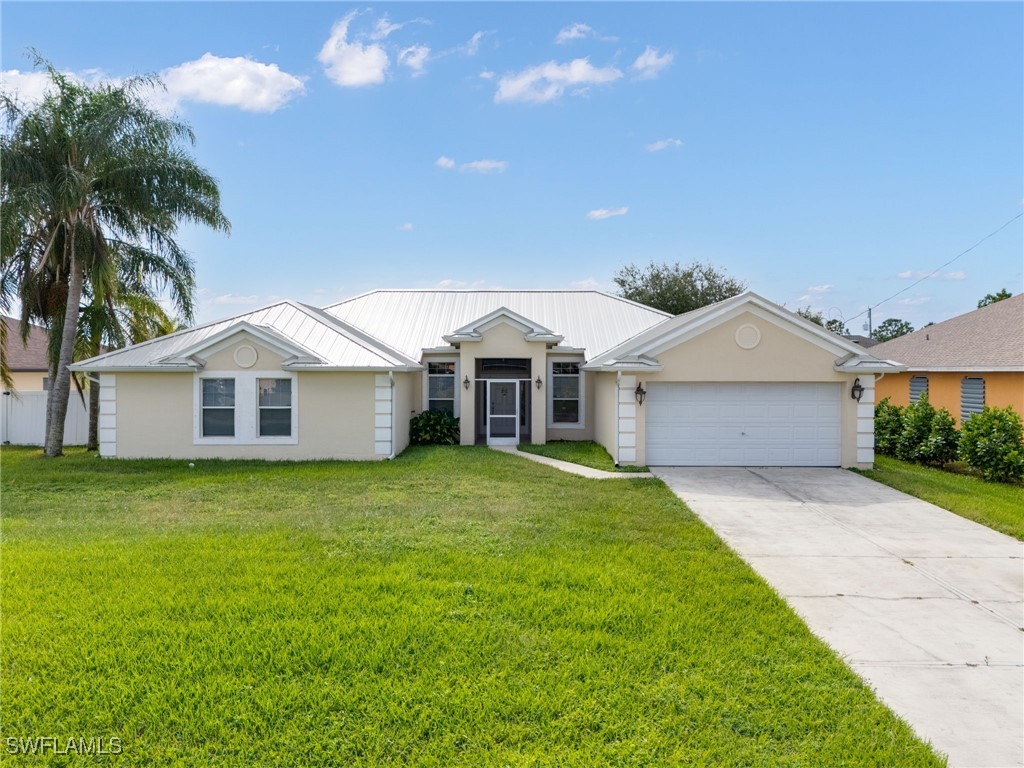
<point>502,412</point>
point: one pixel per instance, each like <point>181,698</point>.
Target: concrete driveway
<point>925,606</point>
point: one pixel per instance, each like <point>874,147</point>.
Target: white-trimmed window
<point>245,408</point>
<point>218,407</point>
<point>441,392</point>
<point>565,394</point>
<point>275,404</point>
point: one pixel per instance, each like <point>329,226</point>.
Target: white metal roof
<point>330,342</point>
<point>414,320</point>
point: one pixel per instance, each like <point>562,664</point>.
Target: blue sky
<point>827,154</point>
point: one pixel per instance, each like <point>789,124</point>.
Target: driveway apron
<point>927,607</point>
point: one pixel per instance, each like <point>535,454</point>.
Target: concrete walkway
<point>573,469</point>
<point>925,606</point>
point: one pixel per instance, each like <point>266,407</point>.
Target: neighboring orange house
<point>964,363</point>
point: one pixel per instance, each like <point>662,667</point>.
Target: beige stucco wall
<point>335,419</point>
<point>223,359</point>
<point>605,394</point>
<point>503,340</point>
<point>781,356</point>
<point>28,381</point>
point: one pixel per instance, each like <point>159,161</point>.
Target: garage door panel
<point>750,424</point>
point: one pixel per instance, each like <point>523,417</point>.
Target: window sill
<point>245,441</point>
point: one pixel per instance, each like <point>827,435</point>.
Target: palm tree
<point>116,316</point>
<point>88,170</point>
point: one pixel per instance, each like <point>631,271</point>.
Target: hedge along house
<point>741,382</point>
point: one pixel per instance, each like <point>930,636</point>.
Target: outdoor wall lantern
<point>857,391</point>
<point>640,393</point>
<point>539,383</point>
<point>466,382</point>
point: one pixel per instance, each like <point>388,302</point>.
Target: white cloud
<point>27,87</point>
<point>915,301</point>
<point>649,64</point>
<point>352,64</point>
<point>383,28</point>
<point>233,299</point>
<point>586,284</point>
<point>407,227</point>
<point>821,288</point>
<point>575,31</point>
<point>228,81</point>
<point>232,82</point>
<point>658,146</point>
<point>414,57</point>
<point>450,284</point>
<point>910,274</point>
<point>487,75</point>
<point>444,162</point>
<point>484,166</point>
<point>579,31</point>
<point>606,213</point>
<point>548,82</point>
<point>472,46</point>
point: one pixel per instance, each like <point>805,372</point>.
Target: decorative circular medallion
<point>748,336</point>
<point>246,356</point>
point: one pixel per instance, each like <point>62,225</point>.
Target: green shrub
<point>434,428</point>
<point>888,427</point>
<point>917,425</point>
<point>928,436</point>
<point>993,443</point>
<point>943,443</point>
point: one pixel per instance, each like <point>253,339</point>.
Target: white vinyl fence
<point>23,419</point>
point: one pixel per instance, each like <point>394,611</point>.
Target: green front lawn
<point>585,452</point>
<point>456,606</point>
<point>998,505</point>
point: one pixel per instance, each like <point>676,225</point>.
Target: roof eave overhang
<point>295,367</point>
<point>166,368</point>
<point>966,368</point>
<point>630,366</point>
<point>869,366</point>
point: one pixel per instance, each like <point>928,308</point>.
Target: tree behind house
<point>992,298</point>
<point>891,328</point>
<point>676,289</point>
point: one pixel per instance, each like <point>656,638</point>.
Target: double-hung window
<point>218,417</point>
<point>245,408</point>
<point>441,387</point>
<point>275,406</point>
<point>566,394</point>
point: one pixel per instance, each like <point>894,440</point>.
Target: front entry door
<point>503,412</point>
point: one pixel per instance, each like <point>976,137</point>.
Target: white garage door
<point>737,425</point>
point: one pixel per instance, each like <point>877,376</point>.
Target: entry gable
<point>531,330</point>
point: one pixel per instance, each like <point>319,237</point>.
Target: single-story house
<point>28,361</point>
<point>740,382</point>
<point>964,363</point>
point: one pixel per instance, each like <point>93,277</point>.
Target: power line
<point>935,271</point>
